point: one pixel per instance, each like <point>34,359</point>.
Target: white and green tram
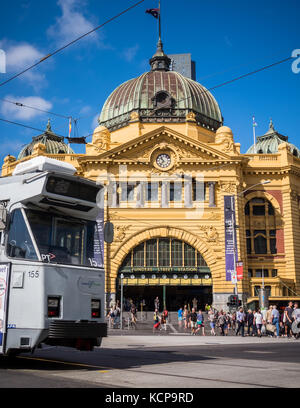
<point>51,258</point>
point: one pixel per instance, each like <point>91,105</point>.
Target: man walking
<point>240,318</point>
<point>275,320</point>
<point>250,322</point>
<point>296,317</point>
<point>193,321</point>
<point>288,319</point>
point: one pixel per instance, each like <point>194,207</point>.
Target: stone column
<point>165,194</point>
<point>212,198</point>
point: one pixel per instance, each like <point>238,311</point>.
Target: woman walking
<point>258,320</point>
<point>212,322</point>
<point>200,322</point>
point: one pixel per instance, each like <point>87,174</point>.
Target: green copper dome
<point>269,142</point>
<point>160,96</point>
<point>54,144</point>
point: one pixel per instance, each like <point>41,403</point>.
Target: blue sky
<point>226,39</point>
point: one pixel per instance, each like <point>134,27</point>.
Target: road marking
<point>259,352</point>
<point>64,362</point>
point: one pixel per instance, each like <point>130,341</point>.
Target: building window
<point>256,290</point>
<point>176,252</point>
<point>259,273</point>
<point>189,255</point>
<point>250,273</point>
<point>127,192</point>
<point>274,273</point>
<point>138,255</point>
<point>198,190</point>
<point>260,244</point>
<point>268,290</point>
<point>164,252</point>
<point>200,260</point>
<point>260,211</point>
<point>151,252</point>
<point>175,191</point>
<point>152,191</point>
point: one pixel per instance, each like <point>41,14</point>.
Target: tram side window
<point>19,243</point>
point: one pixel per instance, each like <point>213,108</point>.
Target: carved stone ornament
<point>191,116</point>
<point>39,149</point>
<point>210,233</point>
<point>228,187</point>
<point>224,138</point>
<point>120,232</point>
<point>101,139</point>
<point>134,116</point>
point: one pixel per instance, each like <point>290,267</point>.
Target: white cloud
<point>130,53</point>
<point>12,147</point>
<point>13,111</point>
<point>95,122</point>
<point>72,23</point>
<point>21,56</point>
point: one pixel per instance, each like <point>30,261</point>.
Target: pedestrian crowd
<point>114,315</point>
<point>271,322</point>
<point>250,323</point>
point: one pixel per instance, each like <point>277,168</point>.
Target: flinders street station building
<point>193,216</point>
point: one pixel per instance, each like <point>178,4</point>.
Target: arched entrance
<point>168,268</point>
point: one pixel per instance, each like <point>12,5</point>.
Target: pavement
<point>128,340</point>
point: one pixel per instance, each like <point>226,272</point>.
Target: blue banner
<point>230,238</point>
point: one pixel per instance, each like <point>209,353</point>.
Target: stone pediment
<point>162,140</point>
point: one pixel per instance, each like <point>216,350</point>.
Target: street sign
<point>239,270</point>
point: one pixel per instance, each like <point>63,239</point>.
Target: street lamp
<point>234,227</point>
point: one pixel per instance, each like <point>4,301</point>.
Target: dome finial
<point>48,128</point>
<point>160,61</point>
<point>271,125</point>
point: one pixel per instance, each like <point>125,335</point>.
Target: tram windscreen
<point>65,240</point>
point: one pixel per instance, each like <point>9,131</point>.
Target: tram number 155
<point>33,274</point>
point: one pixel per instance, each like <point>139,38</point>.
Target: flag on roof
<point>153,12</point>
<point>254,122</point>
<point>70,126</point>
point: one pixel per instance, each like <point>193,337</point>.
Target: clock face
<point>163,160</point>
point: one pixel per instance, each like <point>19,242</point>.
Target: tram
<point>51,258</point>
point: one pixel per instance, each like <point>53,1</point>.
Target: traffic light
<point>233,300</point>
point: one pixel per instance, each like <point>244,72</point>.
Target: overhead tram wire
<point>26,126</point>
<point>203,92</point>
<point>23,105</point>
<point>70,43</point>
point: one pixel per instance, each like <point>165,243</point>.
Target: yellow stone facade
<point>130,153</point>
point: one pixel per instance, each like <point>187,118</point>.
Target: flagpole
<point>70,124</point>
<point>254,135</point>
<point>159,22</point>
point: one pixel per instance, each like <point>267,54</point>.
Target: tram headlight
<point>53,306</point>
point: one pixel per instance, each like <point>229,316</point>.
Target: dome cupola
<point>160,96</point>
<point>269,142</point>
<point>54,144</point>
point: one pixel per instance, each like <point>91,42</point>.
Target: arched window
<point>164,252</point>
<point>260,213</point>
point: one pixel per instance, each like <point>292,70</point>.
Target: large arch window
<point>164,252</point>
<point>260,227</point>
